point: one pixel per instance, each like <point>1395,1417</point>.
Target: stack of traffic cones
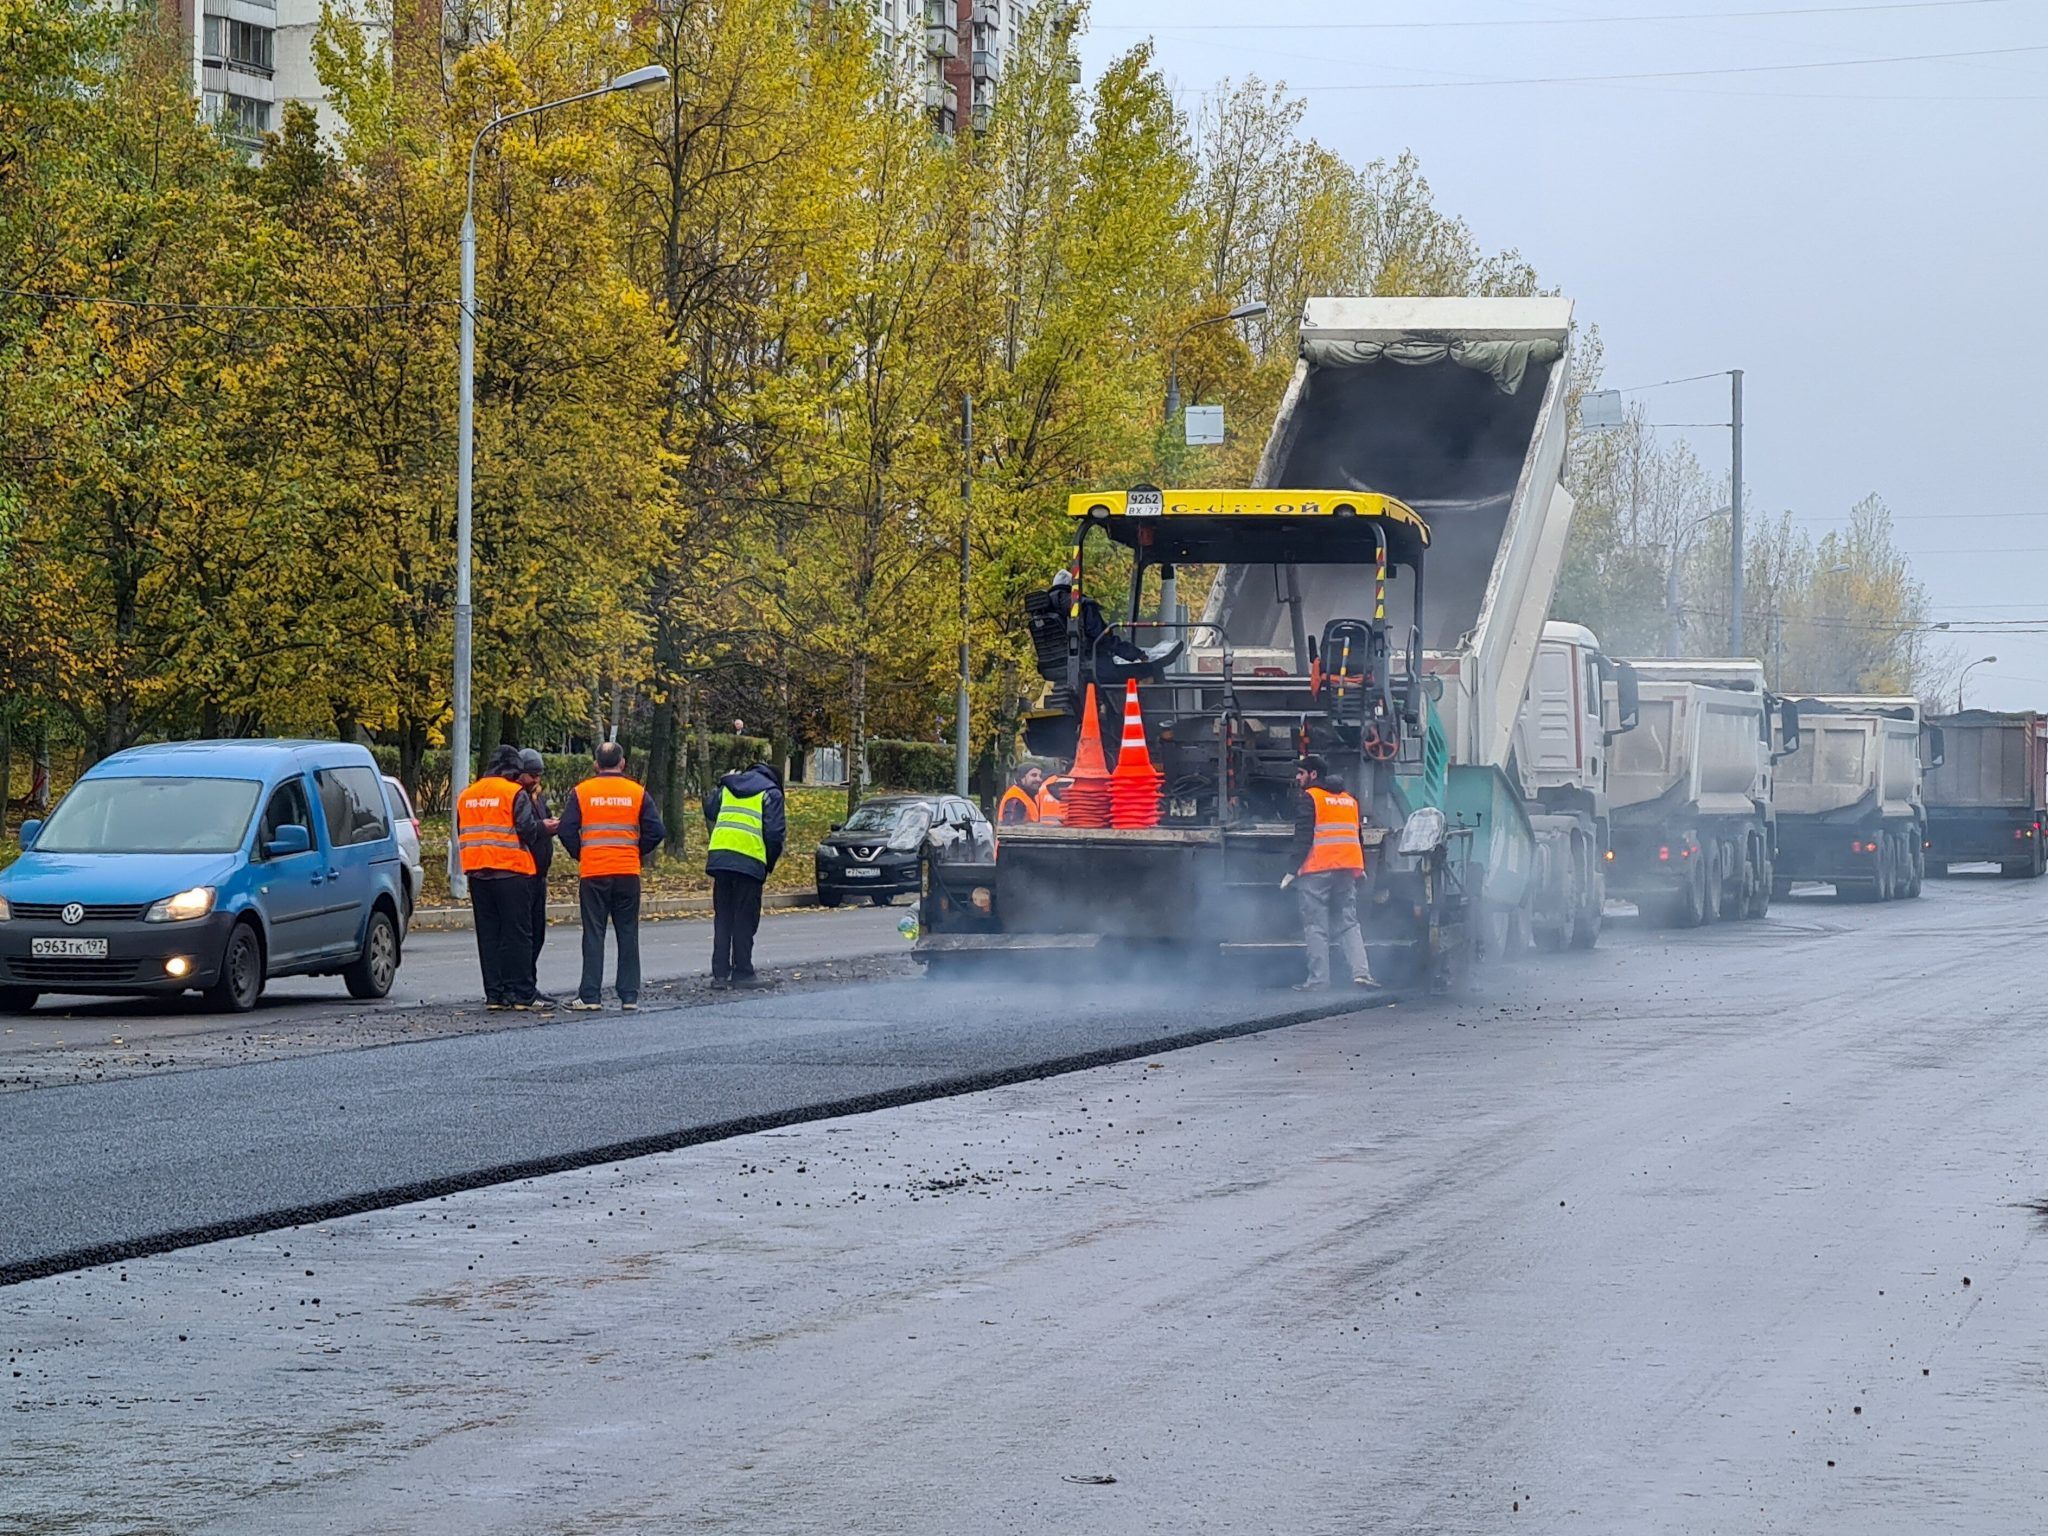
<point>1134,788</point>
<point>1088,797</point>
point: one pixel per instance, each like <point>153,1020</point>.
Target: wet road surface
<point>1729,1231</point>
<point>74,1039</point>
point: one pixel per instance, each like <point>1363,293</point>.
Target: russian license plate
<point>863,874</point>
<point>73,949</point>
<point>1145,504</point>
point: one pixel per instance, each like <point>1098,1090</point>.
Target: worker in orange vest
<point>1020,800</point>
<point>1052,798</point>
<point>1329,850</point>
<point>610,824</point>
<point>496,826</point>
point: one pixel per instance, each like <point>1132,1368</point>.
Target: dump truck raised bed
<point>1695,821</point>
<point>1411,428</point>
<point>1988,801</point>
<point>1849,803</point>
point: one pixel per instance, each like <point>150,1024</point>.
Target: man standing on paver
<point>611,824</point>
<point>745,813</point>
<point>1329,849</point>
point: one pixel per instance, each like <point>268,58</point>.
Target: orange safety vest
<point>1018,796</point>
<point>486,834</point>
<point>610,805</point>
<point>1338,844</point>
<point>1052,802</point>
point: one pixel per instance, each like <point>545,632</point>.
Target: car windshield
<point>119,815</point>
<point>881,819</point>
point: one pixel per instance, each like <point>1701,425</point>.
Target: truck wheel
<point>1760,889</point>
<point>1688,905</point>
<point>1916,862</point>
<point>2040,859</point>
<point>1887,868</point>
<point>1586,930</point>
<point>1780,889</point>
<point>1714,883</point>
<point>1938,868</point>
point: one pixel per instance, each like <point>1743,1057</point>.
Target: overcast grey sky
<point>1865,241</point>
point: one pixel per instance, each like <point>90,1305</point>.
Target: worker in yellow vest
<point>1020,800</point>
<point>1329,851</point>
<point>610,824</point>
<point>748,824</point>
<point>495,828</point>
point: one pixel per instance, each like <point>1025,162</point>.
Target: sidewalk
<point>454,919</point>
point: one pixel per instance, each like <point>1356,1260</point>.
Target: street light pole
<point>459,751</point>
<point>960,701</point>
<point>1735,507</point>
<point>1979,662</point>
<point>1249,311</point>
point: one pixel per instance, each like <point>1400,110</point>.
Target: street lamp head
<point>1249,311</point>
<point>1983,661</point>
<point>639,79</point>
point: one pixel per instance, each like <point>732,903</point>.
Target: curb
<point>458,919</point>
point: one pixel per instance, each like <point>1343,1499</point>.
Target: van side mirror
<point>289,840</point>
<point>1788,729</point>
<point>1937,746</point>
<point>29,829</point>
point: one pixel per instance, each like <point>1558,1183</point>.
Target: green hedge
<point>924,766</point>
<point>565,770</point>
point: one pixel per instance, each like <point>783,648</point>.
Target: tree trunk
<point>6,761</point>
<point>857,736</point>
<point>490,731</point>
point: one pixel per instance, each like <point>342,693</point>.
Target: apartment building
<point>962,47</point>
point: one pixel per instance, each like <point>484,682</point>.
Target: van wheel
<point>371,975</point>
<point>16,999</point>
<point>240,982</point>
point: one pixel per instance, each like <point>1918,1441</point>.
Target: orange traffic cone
<point>1134,789</point>
<point>1088,797</point>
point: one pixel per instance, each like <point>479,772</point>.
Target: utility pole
<point>960,701</point>
<point>1735,519</point>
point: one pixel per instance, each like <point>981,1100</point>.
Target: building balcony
<point>942,42</point>
<point>982,66</point>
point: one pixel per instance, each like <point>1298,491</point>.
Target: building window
<point>240,44</point>
<point>243,119</point>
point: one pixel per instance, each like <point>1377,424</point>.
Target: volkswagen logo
<point>73,914</point>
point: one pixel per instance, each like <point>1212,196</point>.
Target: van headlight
<point>183,907</point>
<point>5,911</point>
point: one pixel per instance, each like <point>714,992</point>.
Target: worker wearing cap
<point>611,824</point>
<point>494,829</point>
<point>1020,800</point>
<point>541,841</point>
<point>1329,848</point>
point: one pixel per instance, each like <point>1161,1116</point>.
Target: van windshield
<point>151,816</point>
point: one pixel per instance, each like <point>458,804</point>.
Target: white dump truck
<point>1579,702</point>
<point>1988,801</point>
<point>1850,811</point>
<point>1695,822</point>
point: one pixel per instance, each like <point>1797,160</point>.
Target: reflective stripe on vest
<point>486,834</point>
<point>739,826</point>
<point>1337,844</point>
<point>1052,803</point>
<point>1017,798</point>
<point>610,806</point>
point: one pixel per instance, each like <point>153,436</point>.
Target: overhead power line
<point>1540,21</point>
<point>1678,74</point>
<point>182,306</point>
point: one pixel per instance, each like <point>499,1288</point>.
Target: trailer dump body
<point>1849,805</point>
<point>1987,801</point>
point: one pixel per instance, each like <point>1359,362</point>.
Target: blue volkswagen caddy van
<point>208,866</point>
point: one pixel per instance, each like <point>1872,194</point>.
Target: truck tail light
<point>1664,855</point>
<point>1610,855</point>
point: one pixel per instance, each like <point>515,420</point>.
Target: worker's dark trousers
<point>503,908</point>
<point>613,899</point>
<point>735,915</point>
<point>539,916</point>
